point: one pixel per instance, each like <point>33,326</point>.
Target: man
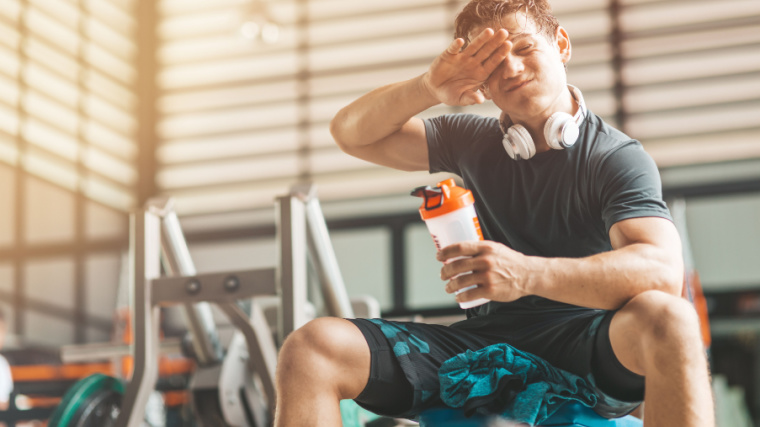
<point>582,262</point>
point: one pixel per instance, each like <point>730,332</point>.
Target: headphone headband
<point>578,96</point>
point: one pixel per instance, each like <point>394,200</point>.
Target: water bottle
<point>449,213</point>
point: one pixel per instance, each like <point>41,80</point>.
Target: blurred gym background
<point>225,104</point>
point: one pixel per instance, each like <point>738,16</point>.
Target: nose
<point>511,66</point>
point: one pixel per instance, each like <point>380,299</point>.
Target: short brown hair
<point>485,12</point>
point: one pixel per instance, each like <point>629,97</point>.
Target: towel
<point>499,379</point>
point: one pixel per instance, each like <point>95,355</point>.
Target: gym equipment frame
<point>240,383</point>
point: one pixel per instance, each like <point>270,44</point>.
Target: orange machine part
<point>176,398</point>
<point>59,372</point>
<point>693,283</point>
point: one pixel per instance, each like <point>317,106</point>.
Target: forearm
<point>607,280</point>
<point>380,113</point>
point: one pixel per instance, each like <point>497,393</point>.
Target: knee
<point>663,319</point>
<point>322,340</point>
<point>330,353</point>
<point>308,340</point>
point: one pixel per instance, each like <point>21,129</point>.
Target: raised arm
<point>381,126</point>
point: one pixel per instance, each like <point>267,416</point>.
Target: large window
<point>67,163</point>
<point>240,120</point>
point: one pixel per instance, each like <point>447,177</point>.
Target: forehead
<point>518,24</point>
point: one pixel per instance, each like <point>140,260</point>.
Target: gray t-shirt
<point>560,203</point>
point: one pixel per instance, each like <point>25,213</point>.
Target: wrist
<point>538,271</point>
<point>425,89</point>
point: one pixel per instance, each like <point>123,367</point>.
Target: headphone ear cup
<point>561,131</point>
<point>518,143</point>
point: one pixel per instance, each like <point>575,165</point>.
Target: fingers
<point>470,288</point>
<point>489,47</point>
<point>456,75</point>
<point>455,46</point>
<point>486,44</point>
<point>479,41</point>
<point>466,280</point>
<point>497,56</point>
<point>470,248</point>
<point>472,295</point>
<point>462,266</point>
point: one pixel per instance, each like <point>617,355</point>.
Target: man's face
<point>531,78</point>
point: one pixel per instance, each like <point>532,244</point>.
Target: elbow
<point>338,131</point>
<point>664,279</point>
<point>672,278</point>
<point>663,269</point>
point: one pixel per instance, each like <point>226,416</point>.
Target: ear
<point>485,91</point>
<point>563,44</point>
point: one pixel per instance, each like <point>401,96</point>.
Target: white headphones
<point>561,130</point>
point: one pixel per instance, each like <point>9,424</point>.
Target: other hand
<point>501,273</point>
<point>456,76</point>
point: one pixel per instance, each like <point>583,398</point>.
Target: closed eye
<point>524,48</point>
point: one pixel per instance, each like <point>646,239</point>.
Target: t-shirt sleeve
<point>630,186</point>
<point>448,135</point>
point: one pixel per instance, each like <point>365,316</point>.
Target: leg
<point>657,335</point>
<point>319,364</point>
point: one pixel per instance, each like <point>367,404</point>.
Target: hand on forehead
<point>515,24</point>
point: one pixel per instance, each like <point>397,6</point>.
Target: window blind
<point>67,98</point>
<point>692,77</point>
<point>240,121</point>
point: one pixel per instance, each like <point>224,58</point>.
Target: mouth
<point>518,86</point>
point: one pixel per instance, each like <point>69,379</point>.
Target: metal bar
<point>325,262</point>
<point>145,249</point>
<point>264,354</point>
<point>261,346</point>
<point>21,177</point>
<point>677,207</point>
<point>215,287</point>
<point>291,273</point>
<point>52,310</point>
<point>61,249</point>
<point>713,189</point>
<point>198,316</point>
<point>398,263</point>
<point>146,88</point>
<point>80,288</point>
<point>618,64</point>
<point>103,351</point>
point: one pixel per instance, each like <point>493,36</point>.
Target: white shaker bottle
<point>449,213</point>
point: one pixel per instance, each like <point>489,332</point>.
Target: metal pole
<point>200,320</point>
<point>323,254</point>
<point>145,249</point>
<point>291,273</point>
<point>262,349</point>
<point>677,207</point>
<point>80,353</point>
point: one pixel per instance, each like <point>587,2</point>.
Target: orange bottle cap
<point>446,197</point>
